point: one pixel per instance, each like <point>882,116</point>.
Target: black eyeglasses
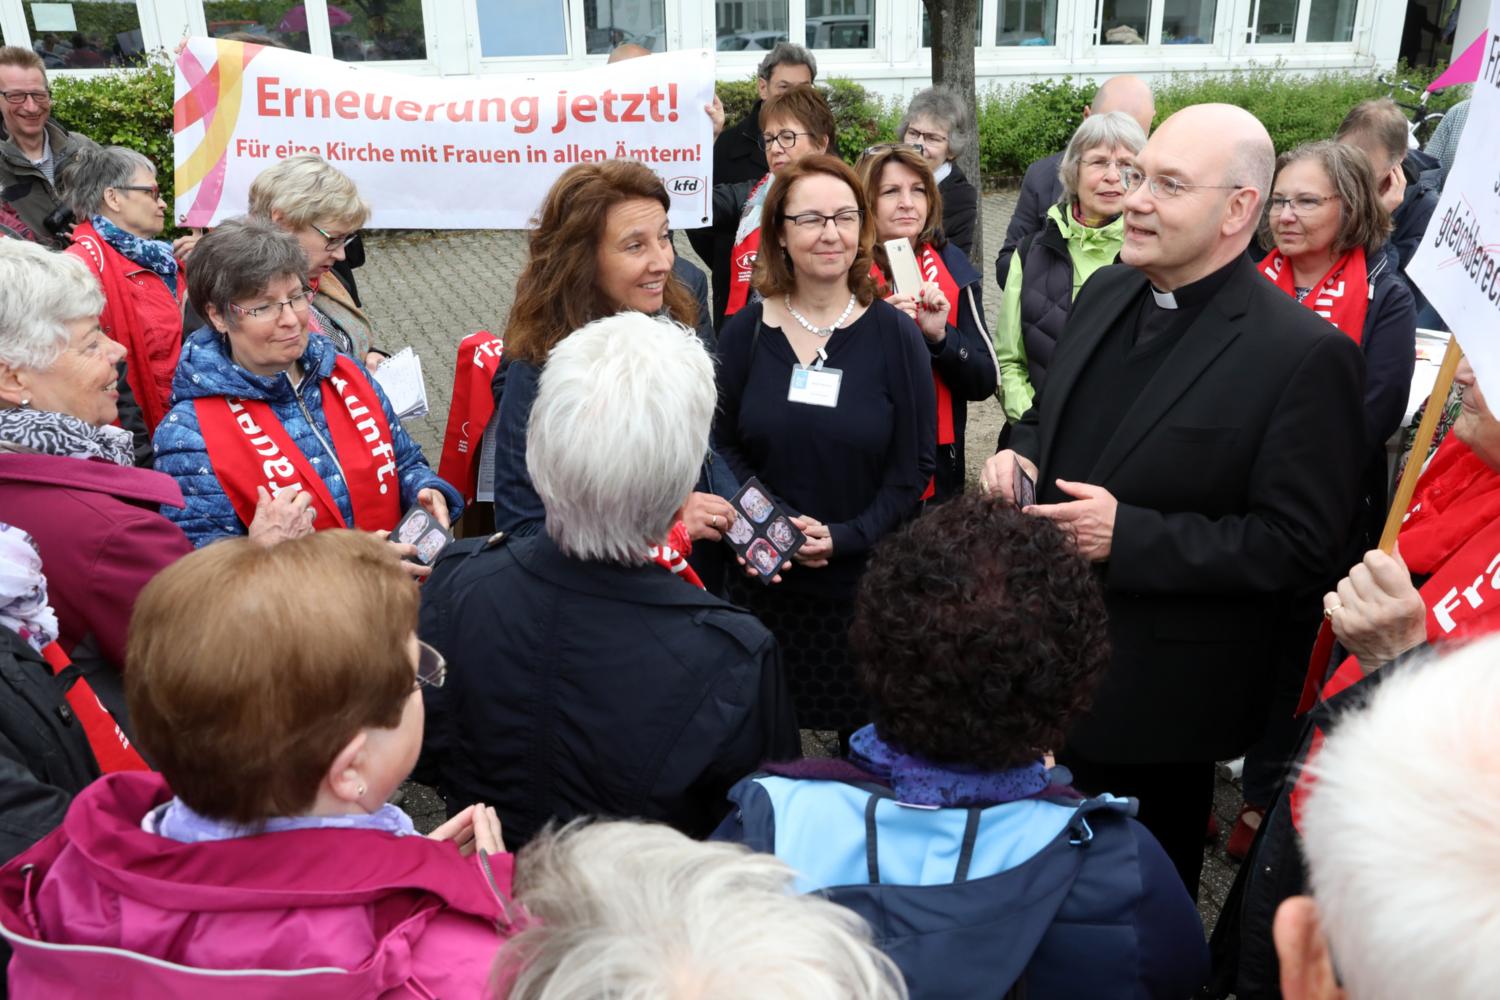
<point>931,138</point>
<point>847,219</point>
<point>1303,204</point>
<point>153,190</point>
<point>298,302</point>
<point>432,669</point>
<point>335,242</point>
<point>43,98</point>
<point>786,138</point>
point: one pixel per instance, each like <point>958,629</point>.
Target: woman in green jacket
<point>1085,232</point>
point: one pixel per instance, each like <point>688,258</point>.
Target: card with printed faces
<point>762,533</point>
<point>421,529</point>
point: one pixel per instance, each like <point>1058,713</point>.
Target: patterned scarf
<point>920,782</point>
<point>64,436</point>
<point>153,254</point>
<point>23,590</point>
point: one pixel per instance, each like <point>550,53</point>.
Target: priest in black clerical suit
<point>1202,435</point>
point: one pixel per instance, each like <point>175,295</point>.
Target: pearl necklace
<point>819,331</point>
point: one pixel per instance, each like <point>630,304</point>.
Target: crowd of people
<point>727,512</point>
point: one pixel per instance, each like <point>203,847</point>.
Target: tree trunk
<point>953,65</point>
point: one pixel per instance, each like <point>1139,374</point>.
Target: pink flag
<point>1464,69</point>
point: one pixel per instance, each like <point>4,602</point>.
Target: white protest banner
<point>435,153</point>
<point>1458,263</point>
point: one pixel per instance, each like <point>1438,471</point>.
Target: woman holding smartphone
<point>825,395</point>
<point>945,301</point>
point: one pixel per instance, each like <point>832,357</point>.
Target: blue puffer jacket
<point>205,371</point>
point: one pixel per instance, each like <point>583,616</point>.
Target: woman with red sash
<point>1331,253</point>
<point>114,191</point>
<point>948,308</point>
<point>794,124</point>
<point>263,403</point>
<point>1440,585</point>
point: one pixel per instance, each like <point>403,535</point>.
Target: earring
<point>26,401</point>
<point>360,791</point>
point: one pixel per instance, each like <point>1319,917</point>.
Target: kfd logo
<point>685,185</point>
<point>745,261</point>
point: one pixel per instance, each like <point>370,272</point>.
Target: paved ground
<point>432,290</point>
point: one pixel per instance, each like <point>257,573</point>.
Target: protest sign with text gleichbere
<point>1458,263</point>
<point>429,152</point>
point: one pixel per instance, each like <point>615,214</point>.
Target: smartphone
<point>1023,489</point>
<point>904,273</point>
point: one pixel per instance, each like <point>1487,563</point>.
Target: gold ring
<point>1328,612</point>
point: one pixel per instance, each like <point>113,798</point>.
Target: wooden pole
<point>1436,403</point>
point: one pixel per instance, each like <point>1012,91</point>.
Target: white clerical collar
<point>1164,300</point>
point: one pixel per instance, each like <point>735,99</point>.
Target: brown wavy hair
<point>557,292</point>
<point>871,168</point>
<point>806,104</point>
<point>1363,220</point>
<point>773,274</point>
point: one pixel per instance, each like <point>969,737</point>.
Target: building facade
<point>881,43</point>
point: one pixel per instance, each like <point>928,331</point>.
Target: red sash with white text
<point>248,448</point>
<point>746,247</point>
<point>469,414</point>
<point>930,263</point>
<point>1342,296</point>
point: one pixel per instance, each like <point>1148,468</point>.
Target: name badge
<point>816,386</point>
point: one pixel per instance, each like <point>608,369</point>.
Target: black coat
<point>960,209</point>
<point>580,689</point>
<point>966,361</point>
<point>1236,473</point>
<point>1041,188</point>
<point>44,755</point>
<point>739,158</point>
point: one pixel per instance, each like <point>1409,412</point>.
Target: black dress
<point>860,467</point>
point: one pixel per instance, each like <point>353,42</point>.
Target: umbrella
<point>296,18</point>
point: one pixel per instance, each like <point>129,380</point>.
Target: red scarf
<point>1342,297</point>
<point>248,448</point>
<point>931,265</point>
<point>742,257</point>
<point>673,555</point>
<point>471,409</point>
<point>112,749</point>
<point>123,324</point>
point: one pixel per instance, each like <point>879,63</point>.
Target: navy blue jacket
<point>1070,898</point>
<point>1389,342</point>
<point>205,371</point>
<point>584,688</point>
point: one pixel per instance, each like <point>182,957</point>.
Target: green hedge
<point>128,108</point>
<point>1024,122</point>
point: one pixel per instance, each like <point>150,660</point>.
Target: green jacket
<point>27,189</point>
<point>1089,249</point>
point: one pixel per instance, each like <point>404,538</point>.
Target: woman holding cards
<point>946,305</point>
<point>825,395</point>
<point>263,402</point>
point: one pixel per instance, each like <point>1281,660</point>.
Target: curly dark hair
<point>979,634</point>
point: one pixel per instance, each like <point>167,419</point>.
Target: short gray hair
<point>945,105</point>
<point>41,292</point>
<point>787,54</point>
<point>237,260</point>
<point>1110,130</point>
<point>306,191</point>
<point>618,433</point>
<point>93,170</point>
<point>1412,773</point>
<point>654,914</point>
<point>1252,164</point>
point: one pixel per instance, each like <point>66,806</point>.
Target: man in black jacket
<point>1202,436</point>
<point>1041,188</point>
<point>589,675</point>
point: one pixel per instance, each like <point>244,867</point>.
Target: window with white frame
<point>523,28</point>
<point>608,23</point>
<point>1285,22</point>
<point>1026,22</point>
<point>1155,22</point>
<point>840,24</point>
<point>750,25</point>
<point>85,34</point>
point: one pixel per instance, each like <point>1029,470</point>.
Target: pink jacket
<point>101,908</point>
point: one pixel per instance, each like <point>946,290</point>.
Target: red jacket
<point>141,314</point>
<point>101,908</point>
<point>99,534</point>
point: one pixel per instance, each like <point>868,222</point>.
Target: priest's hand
<point>1090,518</point>
<point>999,473</point>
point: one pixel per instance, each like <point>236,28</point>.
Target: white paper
<point>53,17</point>
<point>1457,265</point>
<point>400,375</point>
